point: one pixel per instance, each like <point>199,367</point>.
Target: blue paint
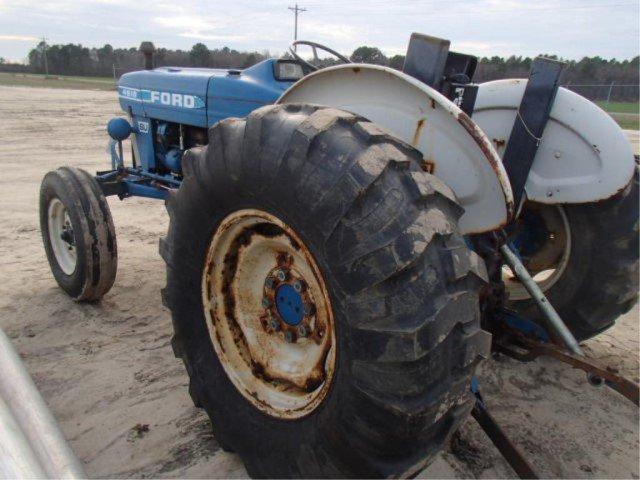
<point>528,235</point>
<point>475,385</point>
<point>289,304</point>
<point>197,97</point>
<point>141,190</point>
<point>526,326</point>
<point>119,129</point>
<point>200,96</point>
<point>173,160</point>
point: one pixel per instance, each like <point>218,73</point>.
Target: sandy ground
<point>106,368</point>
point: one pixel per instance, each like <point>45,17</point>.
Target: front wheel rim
<point>61,236</point>
<point>269,314</point>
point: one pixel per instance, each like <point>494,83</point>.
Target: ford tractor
<point>347,243</point>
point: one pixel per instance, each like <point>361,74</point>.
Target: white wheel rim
<point>283,368</point>
<point>560,243</point>
<point>61,236</point>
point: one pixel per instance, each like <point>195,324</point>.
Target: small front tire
<point>78,233</point>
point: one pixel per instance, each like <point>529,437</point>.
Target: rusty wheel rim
<point>548,265</point>
<point>269,314</point>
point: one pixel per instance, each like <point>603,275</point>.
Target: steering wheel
<point>315,47</point>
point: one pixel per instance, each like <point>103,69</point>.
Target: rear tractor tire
<point>324,304</point>
<point>584,257</point>
<point>78,233</point>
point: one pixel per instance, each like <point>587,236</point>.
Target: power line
<point>296,10</point>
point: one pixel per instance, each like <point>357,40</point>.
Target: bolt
<point>289,336</point>
<point>309,309</point>
<point>595,380</point>
<point>281,275</point>
<point>303,331</point>
<point>274,324</point>
<point>270,282</point>
<point>299,285</point>
<point>266,303</point>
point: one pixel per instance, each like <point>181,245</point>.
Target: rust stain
<point>320,324</point>
<point>499,142</point>
<point>283,260</point>
<point>419,128</point>
<point>433,103</point>
<point>356,69</point>
<point>471,127</point>
<point>428,165</point>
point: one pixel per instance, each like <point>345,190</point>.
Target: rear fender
<point>583,156</point>
<point>453,146</point>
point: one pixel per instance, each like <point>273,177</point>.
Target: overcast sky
<point>569,28</point>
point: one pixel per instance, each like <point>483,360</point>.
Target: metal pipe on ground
<point>27,427</point>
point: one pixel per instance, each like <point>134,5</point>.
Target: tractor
<point>347,243</point>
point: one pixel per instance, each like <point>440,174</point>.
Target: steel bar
<point>34,419</point>
<point>541,300</point>
<point>508,450</point>
<point>612,379</point>
<point>531,118</point>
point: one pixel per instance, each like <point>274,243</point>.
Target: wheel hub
<point>542,239</point>
<point>269,314</point>
<point>289,304</point>
<point>61,236</point>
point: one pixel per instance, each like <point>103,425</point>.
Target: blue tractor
<point>344,242</point>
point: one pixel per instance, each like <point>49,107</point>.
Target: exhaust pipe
<point>147,50</point>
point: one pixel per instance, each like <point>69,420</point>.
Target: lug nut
<point>281,275</point>
<point>266,303</point>
<point>303,331</point>
<point>309,309</point>
<point>299,285</point>
<point>270,282</point>
<point>289,336</point>
<point>274,324</point>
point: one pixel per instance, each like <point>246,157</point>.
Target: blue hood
<point>199,96</point>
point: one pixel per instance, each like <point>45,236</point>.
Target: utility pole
<point>296,10</point>
<point>44,54</point>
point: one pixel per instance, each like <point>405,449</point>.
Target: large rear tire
<point>402,292</point>
<point>78,233</point>
<point>592,275</point>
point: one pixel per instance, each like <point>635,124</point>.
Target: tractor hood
<point>199,96</point>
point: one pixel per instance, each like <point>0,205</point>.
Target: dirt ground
<point>109,375</point>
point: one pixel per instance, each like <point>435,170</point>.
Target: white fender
<point>583,156</point>
<point>458,151</point>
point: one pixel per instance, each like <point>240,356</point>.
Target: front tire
<point>594,279</point>
<point>402,290</point>
<point>78,233</point>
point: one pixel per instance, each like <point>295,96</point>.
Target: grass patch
<point>56,81</point>
<point>627,114</point>
<point>619,107</point>
<point>628,121</point>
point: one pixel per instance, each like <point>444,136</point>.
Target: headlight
<point>288,71</point>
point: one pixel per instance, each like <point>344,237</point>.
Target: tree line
<point>75,59</point>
